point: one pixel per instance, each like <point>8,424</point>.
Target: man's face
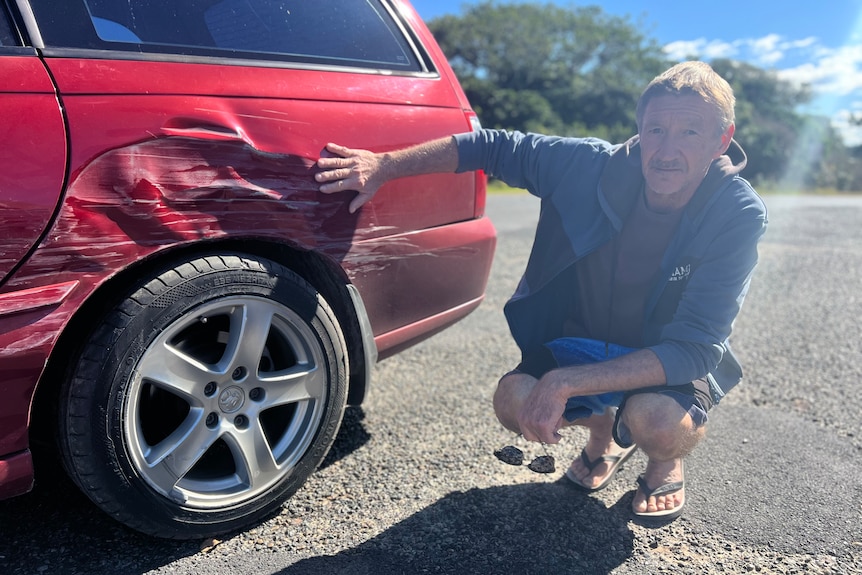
<point>679,138</point>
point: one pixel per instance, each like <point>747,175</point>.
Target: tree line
<point>578,71</point>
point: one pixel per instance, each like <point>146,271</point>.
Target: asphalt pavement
<point>412,486</point>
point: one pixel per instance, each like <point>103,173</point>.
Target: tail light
<point>481,184</point>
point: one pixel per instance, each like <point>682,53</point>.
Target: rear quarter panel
<point>166,153</point>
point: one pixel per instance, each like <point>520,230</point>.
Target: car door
<point>33,159</point>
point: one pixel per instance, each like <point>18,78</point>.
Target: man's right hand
<point>365,172</point>
<point>357,170</point>
<point>541,415</point>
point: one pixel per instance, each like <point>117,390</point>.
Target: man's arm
<point>541,414</point>
<point>365,172</point>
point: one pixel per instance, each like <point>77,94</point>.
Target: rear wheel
<point>206,398</point>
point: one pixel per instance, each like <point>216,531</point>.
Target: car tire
<point>205,398</point>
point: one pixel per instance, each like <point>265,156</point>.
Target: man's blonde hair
<point>693,78</point>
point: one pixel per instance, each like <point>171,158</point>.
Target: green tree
<point>768,126</point>
<point>534,67</point>
<point>786,150</point>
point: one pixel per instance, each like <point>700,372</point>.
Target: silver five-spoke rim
<point>225,402</point>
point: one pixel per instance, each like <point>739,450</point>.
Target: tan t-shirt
<point>615,281</point>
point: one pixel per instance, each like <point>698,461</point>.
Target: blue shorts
<point>695,397</point>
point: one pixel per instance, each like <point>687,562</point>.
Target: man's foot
<point>593,474</point>
<point>661,491</point>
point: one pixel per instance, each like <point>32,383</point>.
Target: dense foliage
<point>579,71</point>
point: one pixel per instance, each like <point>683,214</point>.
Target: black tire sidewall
<point>97,453</point>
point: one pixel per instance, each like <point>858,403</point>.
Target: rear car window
<point>356,33</point>
<point>7,36</point>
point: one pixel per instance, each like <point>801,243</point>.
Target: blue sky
<point>813,42</point>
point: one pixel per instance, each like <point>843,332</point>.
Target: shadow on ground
<point>535,528</point>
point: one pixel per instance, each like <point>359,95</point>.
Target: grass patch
<point>775,191</point>
<point>498,187</point>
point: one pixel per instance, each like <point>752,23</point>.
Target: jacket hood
<point>622,178</point>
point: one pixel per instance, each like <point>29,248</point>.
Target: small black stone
<point>543,464</point>
<point>510,454</point>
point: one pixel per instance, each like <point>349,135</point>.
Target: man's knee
<point>660,420</point>
<point>510,394</point>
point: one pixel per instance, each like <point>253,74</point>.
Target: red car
<point>179,307</point>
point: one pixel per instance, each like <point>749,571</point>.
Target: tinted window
<point>355,31</point>
<point>340,32</point>
<point>7,36</point>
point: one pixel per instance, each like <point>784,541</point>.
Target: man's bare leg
<point>600,443</point>
<point>658,425</point>
<point>666,433</point>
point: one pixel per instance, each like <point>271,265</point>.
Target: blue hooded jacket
<point>587,187</point>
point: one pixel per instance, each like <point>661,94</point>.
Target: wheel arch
<point>328,278</point>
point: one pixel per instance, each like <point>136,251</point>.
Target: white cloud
<point>833,74</point>
<point>700,48</point>
<point>799,44</point>
<point>765,51</point>
<point>834,71</point>
<point>835,77</point>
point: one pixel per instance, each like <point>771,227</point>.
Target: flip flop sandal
<point>665,489</point>
<point>615,462</point>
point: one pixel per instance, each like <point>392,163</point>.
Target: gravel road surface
<point>412,486</point>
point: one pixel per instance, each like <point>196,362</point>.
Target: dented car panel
<point>130,160</point>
